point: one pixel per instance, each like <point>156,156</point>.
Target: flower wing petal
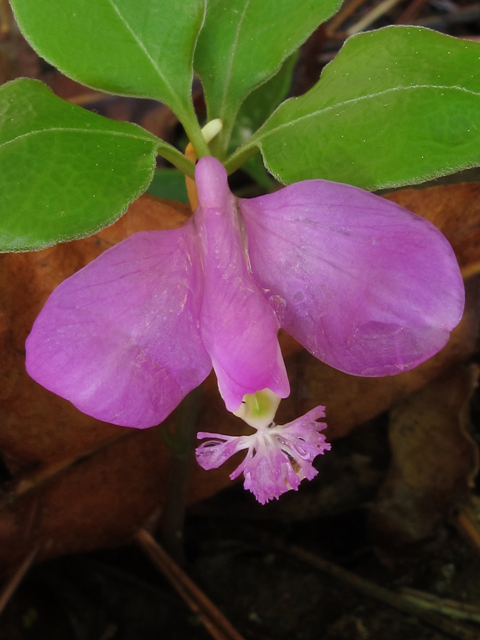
<point>365,285</point>
<point>120,338</point>
<point>238,327</point>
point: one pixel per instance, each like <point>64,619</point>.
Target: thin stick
<point>371,16</point>
<point>35,479</point>
<point>469,527</point>
<point>346,12</point>
<point>389,598</point>
<point>470,270</point>
<point>15,580</point>
<point>460,16</point>
<point>447,607</point>
<point>6,18</point>
<point>89,97</point>
<point>212,619</point>
<point>411,12</point>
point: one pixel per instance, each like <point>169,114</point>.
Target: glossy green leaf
<point>397,106</point>
<point>170,185</point>
<point>64,172</point>
<point>127,47</point>
<point>244,42</point>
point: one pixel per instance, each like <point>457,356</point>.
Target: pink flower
<point>363,284</point>
<point>278,457</point>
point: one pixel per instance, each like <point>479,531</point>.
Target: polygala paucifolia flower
<point>278,457</point>
<point>364,285</point>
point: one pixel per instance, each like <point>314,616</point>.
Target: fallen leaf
<point>434,460</point>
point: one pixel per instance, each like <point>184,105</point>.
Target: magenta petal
<point>278,457</point>
<point>217,449</point>
<point>120,338</point>
<point>238,327</point>
<point>302,440</point>
<point>365,285</point>
<point>269,475</point>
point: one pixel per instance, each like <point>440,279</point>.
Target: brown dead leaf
<point>80,483</point>
<point>434,459</point>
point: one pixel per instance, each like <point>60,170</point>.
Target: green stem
<point>177,159</point>
<point>219,145</point>
<point>239,157</point>
<point>173,514</point>
<point>194,133</point>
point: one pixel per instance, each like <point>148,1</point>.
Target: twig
<point>411,12</point>
<point>339,19</point>
<point>33,480</point>
<point>461,16</point>
<point>212,619</point>
<point>89,97</point>
<point>6,18</point>
<point>468,525</point>
<point>450,608</point>
<point>396,601</point>
<point>371,16</point>
<point>470,270</point>
<point>15,580</point>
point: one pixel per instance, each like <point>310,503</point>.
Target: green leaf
<point>126,47</point>
<point>244,42</point>
<point>64,172</point>
<point>254,111</point>
<point>169,184</point>
<point>261,103</point>
<point>397,106</point>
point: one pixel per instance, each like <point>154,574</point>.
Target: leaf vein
<point>142,47</point>
<point>345,103</point>
<point>228,76</point>
<point>76,130</point>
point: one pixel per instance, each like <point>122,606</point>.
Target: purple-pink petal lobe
<point>365,285</point>
<point>120,339</point>
<point>238,326</point>
<point>278,457</point>
<point>212,453</point>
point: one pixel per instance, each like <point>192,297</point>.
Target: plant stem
<point>239,157</point>
<point>194,133</point>
<point>177,159</point>
<point>220,143</point>
<point>173,514</point>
